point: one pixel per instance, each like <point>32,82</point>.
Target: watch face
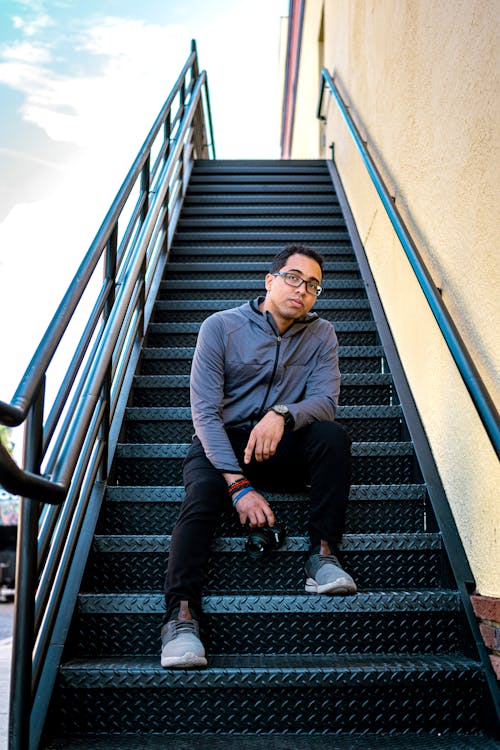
<point>281,409</point>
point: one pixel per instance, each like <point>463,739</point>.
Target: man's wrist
<point>230,478</point>
<point>284,411</point>
<point>238,489</point>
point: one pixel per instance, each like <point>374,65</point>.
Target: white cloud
<point>129,88</point>
<point>26,52</point>
<point>14,153</point>
<point>33,26</point>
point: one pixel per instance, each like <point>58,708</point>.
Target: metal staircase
<point>399,666</point>
<point>390,667</point>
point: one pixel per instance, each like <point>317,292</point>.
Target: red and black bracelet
<point>238,488</point>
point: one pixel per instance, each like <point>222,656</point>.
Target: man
<point>264,392</point>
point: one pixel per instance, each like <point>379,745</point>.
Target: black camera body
<point>262,541</point>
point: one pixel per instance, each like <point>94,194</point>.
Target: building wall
<point>422,80</point>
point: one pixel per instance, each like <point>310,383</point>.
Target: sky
<point>81,82</point>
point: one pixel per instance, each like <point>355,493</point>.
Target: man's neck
<point>281,324</point>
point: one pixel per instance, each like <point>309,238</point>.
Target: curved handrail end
<point>24,483</point>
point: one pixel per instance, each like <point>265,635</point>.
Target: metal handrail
<point>478,392</point>
<point>68,453</point>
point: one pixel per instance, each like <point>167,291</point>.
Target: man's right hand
<point>254,510</point>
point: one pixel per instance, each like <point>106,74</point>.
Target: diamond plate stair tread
<point>253,285</point>
<point>263,671</point>
<point>127,543</point>
<point>311,200</point>
<point>349,378</point>
<point>227,304</point>
<point>256,235</point>
<point>179,251</point>
<point>265,209</point>
<point>239,162</point>
<point>311,741</point>
<point>209,166</point>
<point>162,352</point>
<point>165,413</point>
<point>359,493</point>
<point>262,176</point>
<point>257,267</point>
<point>179,450</point>
<point>375,601</point>
<point>269,223</point>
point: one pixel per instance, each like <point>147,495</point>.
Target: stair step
<point>322,200</point>
<point>174,334</point>
<point>208,286</point>
<point>258,223</point>
<point>280,694</point>
<point>370,622</point>
<point>339,251</point>
<point>133,563</point>
<point>406,741</point>
<point>353,359</point>
<point>372,509</point>
<point>247,270</point>
<point>249,237</point>
<point>308,211</point>
<point>264,167</point>
<point>280,186</point>
<point>350,543</point>
<point>173,424</point>
<point>357,388</point>
<point>159,464</point>
<point>166,311</point>
<point>235,289</point>
<point>262,178</point>
<point>365,602</point>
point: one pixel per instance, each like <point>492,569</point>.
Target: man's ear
<point>268,281</point>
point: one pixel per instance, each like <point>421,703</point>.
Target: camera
<point>262,541</point>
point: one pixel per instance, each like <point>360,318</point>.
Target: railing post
<point>110,264</point>
<point>145,187</point>
<point>26,582</point>
<point>166,200</point>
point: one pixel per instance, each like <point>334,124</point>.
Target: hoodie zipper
<point>260,412</point>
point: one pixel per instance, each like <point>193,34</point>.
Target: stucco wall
<point>422,79</point>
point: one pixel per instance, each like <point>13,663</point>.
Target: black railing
<point>483,402</point>
<point>68,452</point>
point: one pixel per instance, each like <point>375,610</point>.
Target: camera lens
<point>260,542</point>
<point>257,544</point>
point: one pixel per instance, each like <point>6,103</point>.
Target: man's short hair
<point>281,258</point>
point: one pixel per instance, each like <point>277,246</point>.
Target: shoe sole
<point>342,586</point>
<point>186,661</point>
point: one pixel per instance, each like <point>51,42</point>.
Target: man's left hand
<point>264,438</point>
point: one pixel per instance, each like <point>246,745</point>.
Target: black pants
<point>317,456</point>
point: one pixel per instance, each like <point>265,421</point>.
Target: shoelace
<point>189,626</point>
<point>328,558</point>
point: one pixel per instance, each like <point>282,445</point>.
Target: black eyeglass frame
<point>286,275</point>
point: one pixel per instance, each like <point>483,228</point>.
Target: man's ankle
<point>184,612</point>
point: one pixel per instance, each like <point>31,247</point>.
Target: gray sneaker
<point>325,576</point>
<point>181,645</point>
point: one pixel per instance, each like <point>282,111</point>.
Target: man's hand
<point>254,510</point>
<point>265,437</point>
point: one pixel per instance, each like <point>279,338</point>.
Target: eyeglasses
<point>292,280</point>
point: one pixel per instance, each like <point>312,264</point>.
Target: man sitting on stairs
<point>265,384</point>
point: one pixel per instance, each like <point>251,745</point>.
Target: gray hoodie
<point>242,366</point>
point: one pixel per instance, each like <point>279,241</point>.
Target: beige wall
<point>422,78</point>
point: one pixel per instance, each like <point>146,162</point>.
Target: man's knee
<point>330,435</point>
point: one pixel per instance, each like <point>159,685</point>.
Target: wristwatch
<point>285,413</point>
